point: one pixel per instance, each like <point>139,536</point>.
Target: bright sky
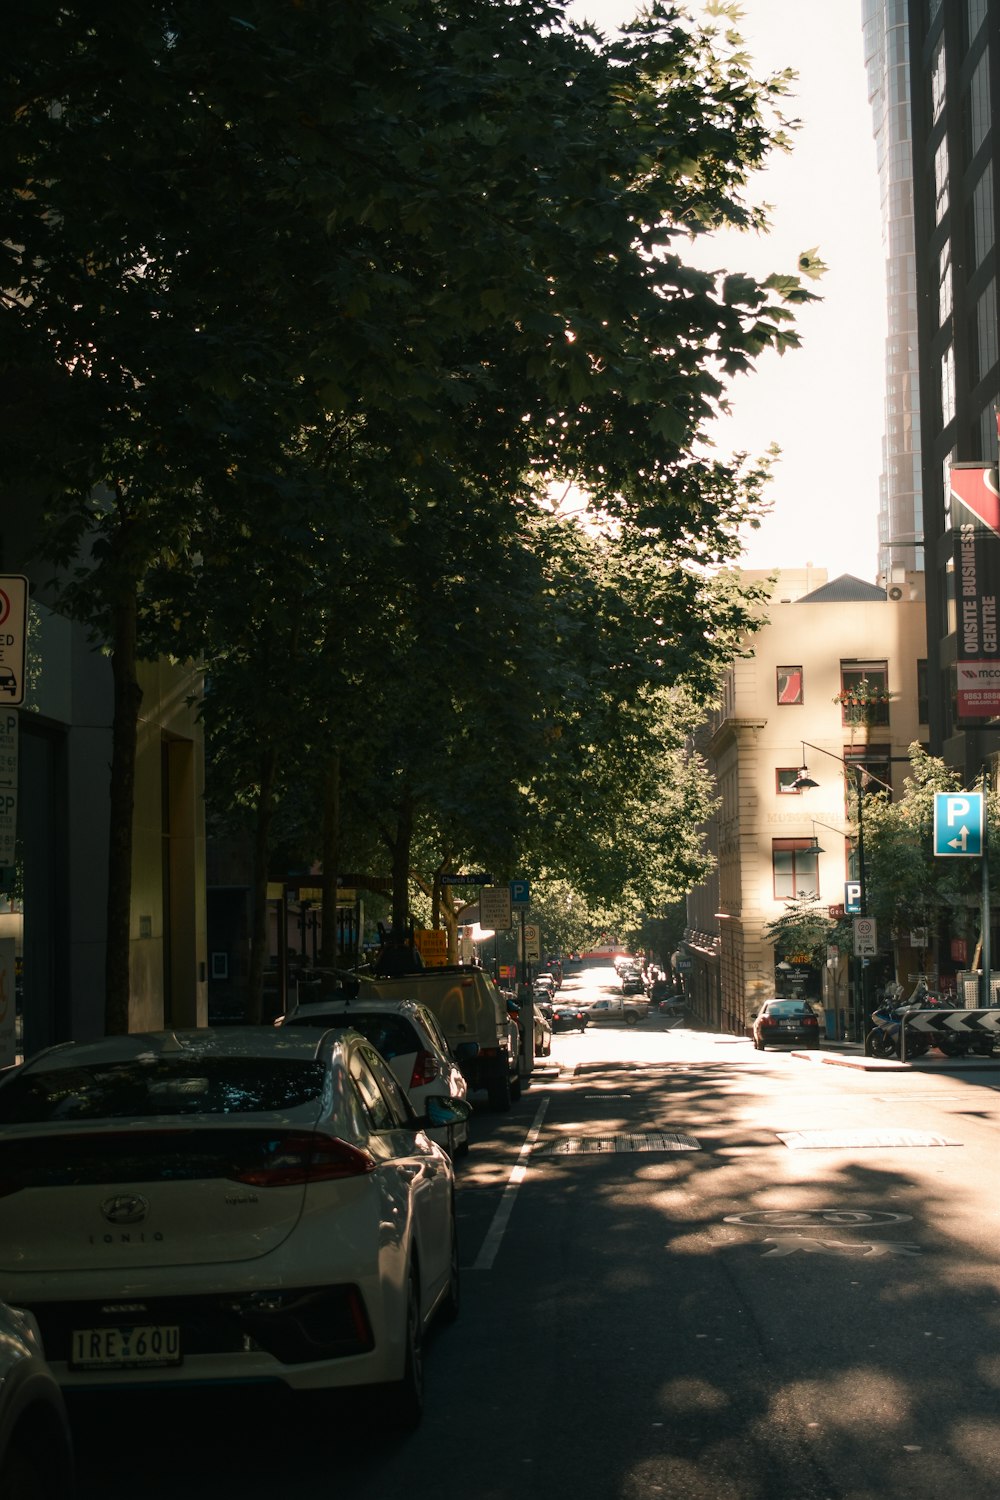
<point>822,404</point>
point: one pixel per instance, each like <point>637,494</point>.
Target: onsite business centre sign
<point>976,513</point>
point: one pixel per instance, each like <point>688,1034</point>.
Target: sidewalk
<point>852,1055</point>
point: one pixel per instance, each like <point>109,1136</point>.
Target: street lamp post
<point>804,782</point>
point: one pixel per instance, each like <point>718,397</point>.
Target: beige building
<point>784,707</point>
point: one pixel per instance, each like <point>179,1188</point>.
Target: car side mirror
<point>443,1109</point>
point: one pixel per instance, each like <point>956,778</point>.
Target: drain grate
<point>827,1140</point>
<point>584,1145</point>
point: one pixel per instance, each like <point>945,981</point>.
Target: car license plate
<point>789,1026</point>
<point>144,1346</point>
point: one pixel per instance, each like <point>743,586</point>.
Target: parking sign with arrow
<point>958,824</point>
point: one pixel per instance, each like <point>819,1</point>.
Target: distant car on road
<point>785,1022</point>
<point>632,982</point>
<point>631,1012</point>
<point>569,1017</point>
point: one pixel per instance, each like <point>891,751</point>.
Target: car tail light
<point>302,1157</point>
<point>425,1069</point>
<point>768,1021</point>
<point>810,1021</point>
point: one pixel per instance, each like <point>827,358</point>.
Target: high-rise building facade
<point>954,112</point>
<point>901,518</point>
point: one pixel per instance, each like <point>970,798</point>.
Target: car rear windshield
<point>390,1035</point>
<point>789,1008</point>
<point>159,1086</point>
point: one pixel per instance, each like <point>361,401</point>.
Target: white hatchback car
<point>224,1206</point>
<point>410,1039</point>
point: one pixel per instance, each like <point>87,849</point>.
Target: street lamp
<point>804,782</point>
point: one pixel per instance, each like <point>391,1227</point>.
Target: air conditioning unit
<point>895,592</point>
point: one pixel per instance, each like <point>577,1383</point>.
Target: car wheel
<point>631,1019</point>
<point>881,1045</point>
<point>453,1297</point>
<point>405,1398</point>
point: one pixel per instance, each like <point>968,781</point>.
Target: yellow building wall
<point>755,735</point>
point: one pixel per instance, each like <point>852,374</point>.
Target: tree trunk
<point>258,924</point>
<point>331,861</point>
<point>401,842</point>
<point>124,734</point>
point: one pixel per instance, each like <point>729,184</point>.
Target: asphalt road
<point>691,1271</point>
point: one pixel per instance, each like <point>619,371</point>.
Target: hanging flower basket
<point>864,702</point>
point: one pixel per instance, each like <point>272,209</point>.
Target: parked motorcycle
<point>883,1039</point>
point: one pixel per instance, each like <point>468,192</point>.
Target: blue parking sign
<point>519,893</point>
<point>958,824</point>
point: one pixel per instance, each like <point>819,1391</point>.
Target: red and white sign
<point>13,631</point>
<point>978,689</point>
<point>975,486</point>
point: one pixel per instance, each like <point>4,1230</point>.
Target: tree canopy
<point>306,309</point>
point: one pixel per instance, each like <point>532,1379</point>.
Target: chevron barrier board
<point>963,1022</point>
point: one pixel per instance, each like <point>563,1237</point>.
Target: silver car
<point>409,1037</point>
<point>36,1448</point>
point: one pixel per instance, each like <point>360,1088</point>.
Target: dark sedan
<point>785,1022</point>
<point>569,1018</point>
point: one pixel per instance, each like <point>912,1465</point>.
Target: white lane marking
<point>491,1244</point>
<point>789,1245</point>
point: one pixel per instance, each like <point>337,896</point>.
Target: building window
<point>790,685</point>
<point>975,15</point>
<point>876,771</point>
<point>947,386</point>
<point>986,330</point>
<point>945,299</point>
<point>937,81</point>
<point>978,117</point>
<point>795,867</point>
<point>785,777</point>
<point>982,216</point>
<point>864,692</point>
<point>941,198</point>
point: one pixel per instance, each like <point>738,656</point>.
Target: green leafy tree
<point>803,927</point>
<point>432,244</point>
<point>906,886</point>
